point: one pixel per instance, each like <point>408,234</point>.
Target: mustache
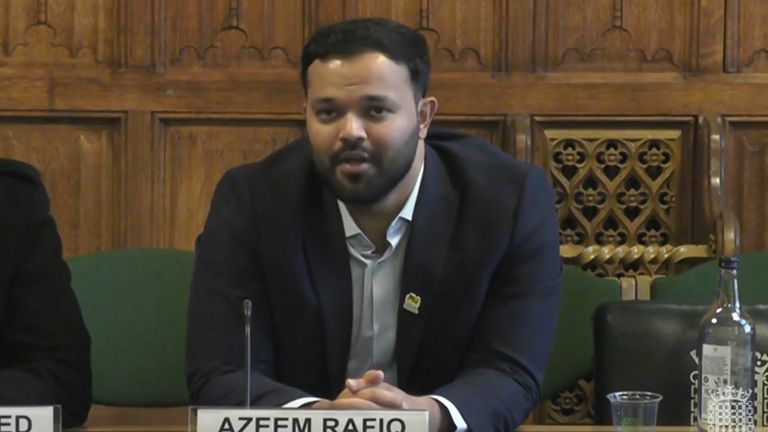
<point>350,150</point>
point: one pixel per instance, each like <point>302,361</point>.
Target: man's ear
<point>426,111</point>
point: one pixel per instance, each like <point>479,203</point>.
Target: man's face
<point>363,125</point>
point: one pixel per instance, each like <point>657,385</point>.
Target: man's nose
<point>352,129</point>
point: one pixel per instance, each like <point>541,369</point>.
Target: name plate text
<point>26,419</point>
<point>305,420</point>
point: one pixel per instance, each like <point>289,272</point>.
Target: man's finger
<point>373,377</point>
<point>347,404</point>
<point>383,397</point>
<point>370,378</point>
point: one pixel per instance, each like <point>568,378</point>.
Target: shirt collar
<point>406,213</point>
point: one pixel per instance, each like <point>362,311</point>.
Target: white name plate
<point>28,419</point>
<point>307,420</point>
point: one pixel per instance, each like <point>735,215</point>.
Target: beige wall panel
<point>745,178</point>
<point>195,154</point>
<point>226,34</point>
<point>59,31</point>
<point>616,35</point>
<point>746,36</point>
<point>80,163</point>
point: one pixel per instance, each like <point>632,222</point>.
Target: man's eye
<point>377,112</point>
<point>325,114</point>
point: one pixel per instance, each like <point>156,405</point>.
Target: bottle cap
<point>729,262</point>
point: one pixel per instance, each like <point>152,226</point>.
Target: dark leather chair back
<point>651,346</point>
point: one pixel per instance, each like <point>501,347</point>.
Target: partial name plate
<point>30,418</point>
<point>306,420</point>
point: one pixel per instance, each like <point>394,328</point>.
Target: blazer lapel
<point>328,262</point>
<point>430,233</point>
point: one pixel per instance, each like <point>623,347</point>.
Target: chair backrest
<point>134,302</point>
<point>699,284</point>
<point>651,346</point>
<point>571,357</point>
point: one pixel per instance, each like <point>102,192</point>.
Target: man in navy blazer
<point>44,345</point>
<point>389,264</point>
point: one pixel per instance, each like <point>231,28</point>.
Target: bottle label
<point>723,407</point>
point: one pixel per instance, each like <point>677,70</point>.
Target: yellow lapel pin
<point>412,303</point>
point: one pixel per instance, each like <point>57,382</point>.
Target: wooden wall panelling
<point>232,33</point>
<point>616,35</point>
<point>497,130</point>
<point>707,166</point>
<point>58,31</point>
<point>462,36</point>
<point>746,42</point>
<point>619,181</point>
<point>138,35</point>
<point>324,12</point>
<point>745,177</point>
<point>711,34</point>
<point>193,152</point>
<point>139,185</point>
<point>80,157</point>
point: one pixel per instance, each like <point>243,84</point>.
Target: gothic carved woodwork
<point>572,406</point>
<point>58,31</point>
<point>461,35</point>
<point>746,43</point>
<point>646,259</point>
<point>618,183</point>
<point>232,33</point>
<point>616,35</point>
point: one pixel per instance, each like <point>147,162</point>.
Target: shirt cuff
<point>458,420</point>
<point>300,402</point>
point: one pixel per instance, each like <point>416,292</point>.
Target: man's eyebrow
<point>323,101</point>
<point>377,99</point>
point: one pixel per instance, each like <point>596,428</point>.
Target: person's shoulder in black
<point>44,344</point>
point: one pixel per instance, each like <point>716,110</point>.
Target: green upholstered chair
<point>134,302</point>
<point>571,358</point>
<point>699,284</point>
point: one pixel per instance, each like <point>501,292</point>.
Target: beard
<point>368,187</point>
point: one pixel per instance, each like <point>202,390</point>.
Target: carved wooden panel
<point>232,33</point>
<point>616,35</point>
<point>79,159</point>
<point>58,31</point>
<point>462,35</point>
<point>195,152</point>
<point>619,181</point>
<point>745,178</point>
<point>746,44</point>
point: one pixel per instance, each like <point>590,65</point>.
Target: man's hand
<point>372,388</point>
<point>347,399</point>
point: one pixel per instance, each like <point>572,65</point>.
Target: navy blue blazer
<point>44,345</point>
<point>483,255</point>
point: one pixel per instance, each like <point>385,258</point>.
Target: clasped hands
<point>371,393</point>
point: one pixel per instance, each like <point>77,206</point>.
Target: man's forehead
<point>371,68</point>
<point>367,98</point>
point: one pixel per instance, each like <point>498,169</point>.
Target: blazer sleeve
<point>45,344</point>
<point>227,271</point>
<point>499,384</point>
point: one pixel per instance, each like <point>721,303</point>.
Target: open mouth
<point>353,162</point>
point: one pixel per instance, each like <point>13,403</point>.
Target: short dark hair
<point>346,39</point>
